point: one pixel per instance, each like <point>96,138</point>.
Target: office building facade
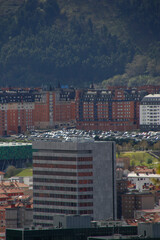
<point>75,177</point>
<point>150,113</point>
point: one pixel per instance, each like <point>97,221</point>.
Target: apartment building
<point>122,187</point>
<point>150,113</point>
<point>16,111</point>
<point>115,109</point>
<point>133,201</point>
<point>55,108</point>
<point>24,110</point>
<point>76,177</point>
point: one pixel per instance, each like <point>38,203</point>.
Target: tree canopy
<point>42,43</point>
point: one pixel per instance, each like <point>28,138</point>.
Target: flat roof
<point>14,144</point>
<point>143,175</point>
<point>152,96</point>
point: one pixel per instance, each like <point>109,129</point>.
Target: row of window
<point>65,196</point>
<point>80,174</point>
<point>66,166</point>
<point>46,210</point>
<point>68,204</point>
<point>71,174</point>
<point>64,151</point>
<point>47,180</point>
<point>72,189</point>
<point>51,195</point>
<point>53,203</point>
<point>43,217</point>
<point>62,158</point>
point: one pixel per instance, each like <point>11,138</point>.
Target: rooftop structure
<point>64,234</point>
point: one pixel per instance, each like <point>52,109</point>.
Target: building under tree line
<point>114,108</point>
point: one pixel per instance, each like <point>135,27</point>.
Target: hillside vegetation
<point>79,42</point>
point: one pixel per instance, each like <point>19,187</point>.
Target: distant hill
<point>46,42</point>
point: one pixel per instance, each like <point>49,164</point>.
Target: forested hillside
<point>74,42</point>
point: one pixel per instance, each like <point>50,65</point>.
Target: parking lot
<point>67,134</point>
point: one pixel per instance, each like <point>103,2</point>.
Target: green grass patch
<point>140,158</point>
<point>28,172</point>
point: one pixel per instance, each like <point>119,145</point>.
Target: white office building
<point>143,180</point>
<point>150,113</point>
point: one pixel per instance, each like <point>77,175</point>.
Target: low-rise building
<point>28,180</point>
<point>16,206</point>
<point>20,213</point>
<point>149,230</point>
<point>132,201</point>
<point>143,180</point>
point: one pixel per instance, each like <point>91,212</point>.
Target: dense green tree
<point>40,44</point>
<point>11,171</point>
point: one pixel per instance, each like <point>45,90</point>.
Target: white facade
<point>28,180</point>
<point>150,112</point>
<point>1,176</point>
<point>142,179</point>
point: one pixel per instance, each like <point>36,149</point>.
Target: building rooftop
<point>150,97</point>
<point>12,144</point>
<point>9,184</point>
<point>153,217</point>
<point>143,175</point>
<point>145,192</point>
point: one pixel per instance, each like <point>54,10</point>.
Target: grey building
<point>72,221</point>
<point>19,217</point>
<point>149,230</point>
<point>76,177</point>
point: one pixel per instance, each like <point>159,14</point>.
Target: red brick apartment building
<point>24,110</point>
<point>56,107</point>
<point>115,109</point>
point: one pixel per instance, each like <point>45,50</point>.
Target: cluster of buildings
<point>79,184</point>
<point>16,205</point>
<point>116,109</point>
<point>73,183</point>
<point>138,194</point>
